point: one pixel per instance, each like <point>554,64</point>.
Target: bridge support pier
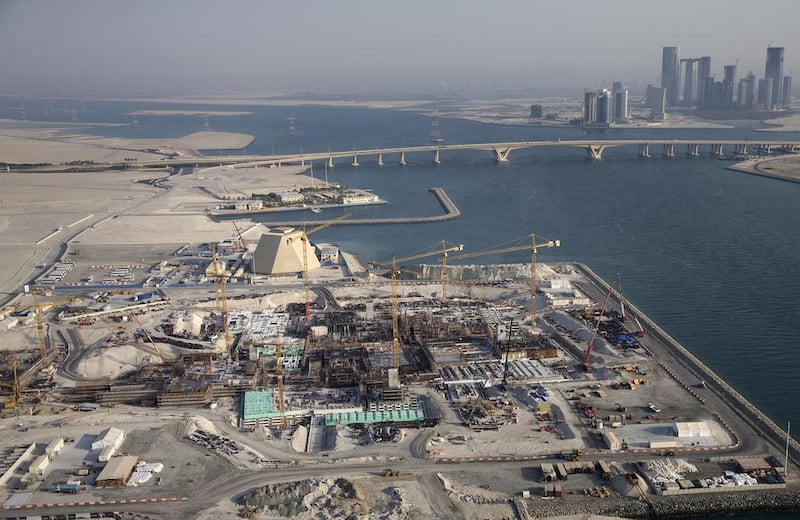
<point>330,162</point>
<point>355,164</point>
<point>436,159</point>
<point>380,159</point>
<point>644,150</point>
<point>402,158</point>
<point>594,151</point>
<point>716,150</point>
<point>693,150</point>
<point>668,150</point>
<point>501,154</point>
<point>741,149</point>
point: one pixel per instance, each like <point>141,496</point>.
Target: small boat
<point>315,210</point>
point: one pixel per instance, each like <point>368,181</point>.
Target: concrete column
<point>501,154</point>
<point>380,159</point>
<point>402,158</point>
<point>436,159</point>
<point>716,150</point>
<point>644,150</point>
<point>330,162</point>
<point>669,150</point>
<point>692,150</point>
<point>594,151</point>
<point>355,161</point>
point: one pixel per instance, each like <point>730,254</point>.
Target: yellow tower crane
<point>533,246</point>
<point>14,388</point>
<point>393,272</point>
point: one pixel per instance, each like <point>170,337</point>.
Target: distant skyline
<point>148,47</point>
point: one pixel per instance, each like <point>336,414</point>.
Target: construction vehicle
<point>571,455</point>
<point>149,338</point>
<point>241,238</point>
<point>393,272</point>
<point>533,247</point>
<point>671,452</point>
<point>389,472</point>
<point>586,365</point>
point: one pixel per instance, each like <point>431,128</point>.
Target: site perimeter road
<point>750,426</point>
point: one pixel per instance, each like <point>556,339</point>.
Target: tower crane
<point>533,246</point>
<point>219,272</point>
<point>306,280</point>
<point>15,388</point>
<point>149,338</point>
<point>393,267</point>
<point>279,376</point>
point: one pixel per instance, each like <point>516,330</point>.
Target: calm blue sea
<point>709,254</point>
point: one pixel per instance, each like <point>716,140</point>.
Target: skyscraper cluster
<point>689,82</point>
<point>606,107</point>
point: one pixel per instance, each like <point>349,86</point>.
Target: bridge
<point>501,150</point>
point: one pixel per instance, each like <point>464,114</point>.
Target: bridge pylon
<point>380,159</point>
<point>716,150</point>
<point>594,151</point>
<point>436,159</point>
<point>330,162</point>
<point>644,150</point>
<point>355,164</point>
<point>501,154</point>
<point>693,150</point>
<point>402,158</point>
<point>668,150</point>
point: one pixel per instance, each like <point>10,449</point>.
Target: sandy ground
<point>188,113</point>
<point>33,144</point>
<point>781,167</point>
<point>783,124</point>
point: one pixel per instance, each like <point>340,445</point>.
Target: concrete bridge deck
<point>593,147</point>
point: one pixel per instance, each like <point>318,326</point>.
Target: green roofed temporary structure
<point>392,416</point>
<point>257,404</point>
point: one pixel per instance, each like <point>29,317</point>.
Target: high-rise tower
<point>670,73</point>
<point>774,70</point>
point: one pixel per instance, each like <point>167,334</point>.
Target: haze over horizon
<point>116,48</point>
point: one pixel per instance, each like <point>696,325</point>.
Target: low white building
<point>290,197</point>
<point>358,198</point>
<point>54,448</point>
<point>110,437</point>
<point>107,453</point>
<point>39,464</point>
<point>691,429</point>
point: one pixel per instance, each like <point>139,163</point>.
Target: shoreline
<point>753,167</point>
<point>743,408</point>
<point>451,211</point>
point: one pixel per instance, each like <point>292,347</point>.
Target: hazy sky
<point>111,47</point>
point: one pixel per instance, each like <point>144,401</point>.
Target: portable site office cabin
<point>54,447</point>
<point>110,437</point>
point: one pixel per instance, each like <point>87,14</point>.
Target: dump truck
<point>571,454</point>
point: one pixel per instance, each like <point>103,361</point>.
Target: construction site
<point>265,350</point>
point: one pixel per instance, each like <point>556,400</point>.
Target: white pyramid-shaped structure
<point>280,251</point>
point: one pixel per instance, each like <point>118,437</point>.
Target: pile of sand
<point>119,360</point>
<point>197,422</point>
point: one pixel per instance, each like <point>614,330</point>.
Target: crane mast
<point>533,246</point>
<point>395,306</point>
